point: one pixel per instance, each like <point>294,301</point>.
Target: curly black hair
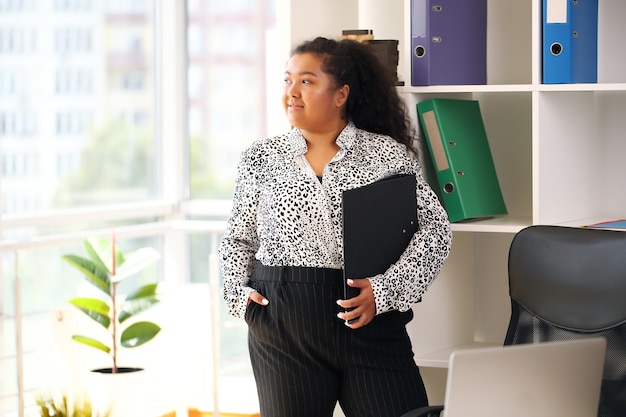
<point>373,103</point>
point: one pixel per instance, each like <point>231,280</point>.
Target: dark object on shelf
<point>387,52</point>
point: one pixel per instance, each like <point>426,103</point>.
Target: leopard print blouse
<point>282,214</point>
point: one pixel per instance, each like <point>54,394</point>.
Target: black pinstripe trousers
<point>305,359</point>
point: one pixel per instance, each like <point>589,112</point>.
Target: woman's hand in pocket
<point>255,297</point>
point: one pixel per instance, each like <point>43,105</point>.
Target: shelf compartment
<point>580,153</point>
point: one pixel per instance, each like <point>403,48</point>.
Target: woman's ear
<point>341,95</point>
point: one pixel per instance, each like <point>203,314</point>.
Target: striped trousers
<point>305,359</point>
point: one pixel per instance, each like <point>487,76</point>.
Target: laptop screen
<point>551,379</point>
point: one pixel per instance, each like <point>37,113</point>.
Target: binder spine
<point>448,42</point>
<point>585,41</point>
<point>420,53</point>
<point>570,41</point>
<point>457,143</point>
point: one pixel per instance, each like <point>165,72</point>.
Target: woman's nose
<point>293,90</point>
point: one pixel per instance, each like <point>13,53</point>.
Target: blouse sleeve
<point>240,243</point>
<point>407,280</point>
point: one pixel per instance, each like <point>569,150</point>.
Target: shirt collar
<point>345,140</point>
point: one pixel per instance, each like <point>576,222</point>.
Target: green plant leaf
<point>96,309</point>
<point>136,262</point>
<point>102,249</point>
<point>94,274</point>
<point>91,342</point>
<point>136,306</point>
<point>99,251</point>
<point>139,333</point>
<point>138,301</point>
<point>148,290</point>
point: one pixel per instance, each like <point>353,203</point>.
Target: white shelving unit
<point>559,152</point>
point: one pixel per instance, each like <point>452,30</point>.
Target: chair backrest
<point>567,283</point>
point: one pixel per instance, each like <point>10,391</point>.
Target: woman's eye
<point>305,81</point>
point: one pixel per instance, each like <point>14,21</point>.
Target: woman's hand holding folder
<point>360,310</point>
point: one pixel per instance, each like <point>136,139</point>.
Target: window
<point>17,40</point>
<point>228,52</point>
<point>77,123</point>
<point>91,104</point>
<point>74,81</point>
<point>87,147</point>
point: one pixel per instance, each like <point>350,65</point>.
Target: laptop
<point>548,379</point>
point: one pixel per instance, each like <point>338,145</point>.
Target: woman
<point>281,255</point>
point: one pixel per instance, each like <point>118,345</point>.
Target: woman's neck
<point>323,138</point>
<point>322,147</point>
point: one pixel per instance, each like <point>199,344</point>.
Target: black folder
<point>379,220</point>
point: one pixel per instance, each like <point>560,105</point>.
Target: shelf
<point>592,220</point>
<point>503,224</point>
<point>511,88</point>
<point>582,87</point>
<point>484,88</point>
<point>441,359</point>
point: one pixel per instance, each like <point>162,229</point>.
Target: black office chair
<point>567,283</point>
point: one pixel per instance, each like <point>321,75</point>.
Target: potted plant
<point>113,390</point>
<point>105,267</point>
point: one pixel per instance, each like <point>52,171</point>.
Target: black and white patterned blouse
<point>283,214</point>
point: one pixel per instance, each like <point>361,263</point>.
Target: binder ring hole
<point>556,48</point>
<point>460,173</point>
<point>436,39</point>
<point>575,34</point>
<point>452,143</point>
<point>448,188</point>
<point>437,8</point>
<point>420,51</point>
